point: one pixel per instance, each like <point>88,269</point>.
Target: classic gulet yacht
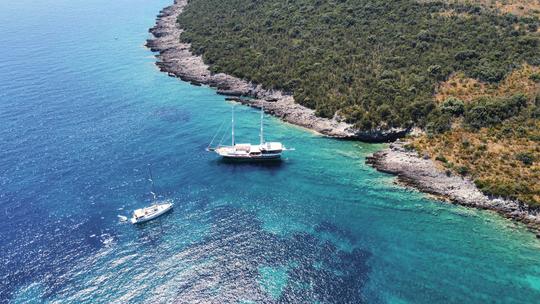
<point>264,151</point>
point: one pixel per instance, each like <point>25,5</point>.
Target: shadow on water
<point>235,165</point>
<point>152,225</point>
<point>278,163</point>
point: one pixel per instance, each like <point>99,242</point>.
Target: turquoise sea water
<point>83,110</point>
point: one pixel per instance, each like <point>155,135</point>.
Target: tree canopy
<point>374,62</point>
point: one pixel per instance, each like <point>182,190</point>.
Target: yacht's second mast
<point>261,134</point>
<point>232,127</point>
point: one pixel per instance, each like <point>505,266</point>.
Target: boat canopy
<point>242,147</point>
<point>139,213</point>
<point>255,149</point>
<point>272,146</point>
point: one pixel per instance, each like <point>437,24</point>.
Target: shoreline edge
<point>419,172</point>
<point>175,58</point>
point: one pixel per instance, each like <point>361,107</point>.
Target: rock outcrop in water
<point>176,59</point>
<point>422,174</point>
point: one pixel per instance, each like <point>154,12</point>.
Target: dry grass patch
<point>529,8</point>
<point>503,161</point>
<point>521,80</point>
<point>516,7</point>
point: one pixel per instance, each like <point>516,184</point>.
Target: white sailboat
<point>262,152</point>
<point>157,208</point>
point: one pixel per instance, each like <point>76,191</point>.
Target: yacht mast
<point>232,128</point>
<point>151,179</point>
<point>261,134</point>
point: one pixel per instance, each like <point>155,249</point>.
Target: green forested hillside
<point>377,62</point>
<point>466,73</point>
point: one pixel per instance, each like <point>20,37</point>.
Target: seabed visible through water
<point>84,110</point>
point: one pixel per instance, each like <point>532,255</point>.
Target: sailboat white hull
<point>149,213</point>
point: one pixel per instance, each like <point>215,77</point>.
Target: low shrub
<point>439,123</point>
<point>526,158</point>
<point>453,106</point>
<point>463,170</point>
<point>535,77</point>
<point>441,158</point>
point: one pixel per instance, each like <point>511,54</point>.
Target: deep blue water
<point>83,111</point>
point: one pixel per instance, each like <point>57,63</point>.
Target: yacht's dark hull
<point>252,158</point>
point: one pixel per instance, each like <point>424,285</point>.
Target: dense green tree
<point>453,106</point>
<point>486,112</point>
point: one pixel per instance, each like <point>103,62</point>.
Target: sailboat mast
<point>261,134</point>
<point>151,179</point>
<point>232,128</point>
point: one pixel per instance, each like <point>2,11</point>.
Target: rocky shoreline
<point>422,174</point>
<point>176,59</point>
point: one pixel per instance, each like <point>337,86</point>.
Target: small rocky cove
<point>421,173</point>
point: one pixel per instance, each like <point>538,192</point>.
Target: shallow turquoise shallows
<point>83,111</point>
